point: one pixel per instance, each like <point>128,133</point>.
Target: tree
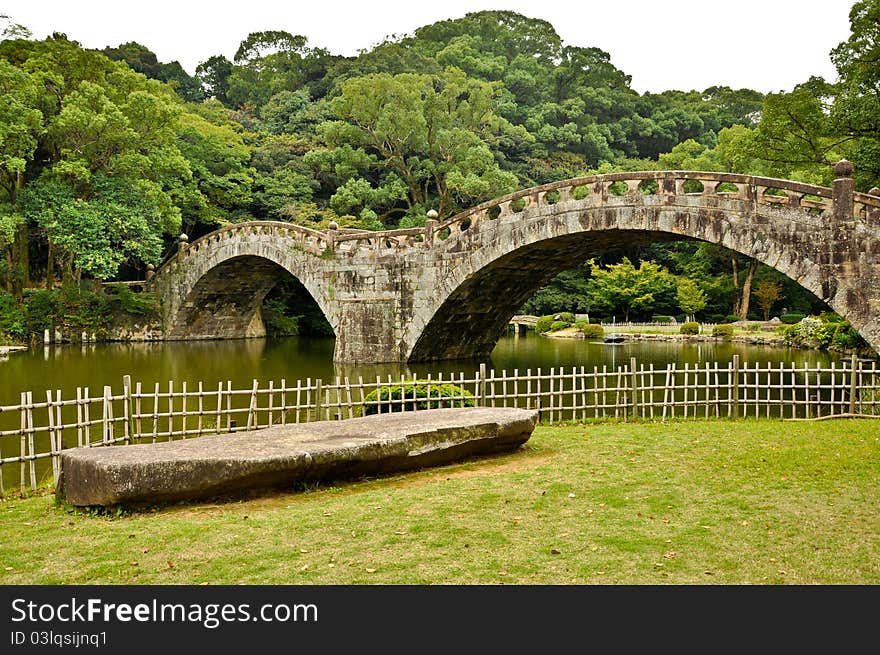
<point>856,111</point>
<point>767,293</point>
<point>407,142</point>
<point>624,288</point>
<point>691,298</point>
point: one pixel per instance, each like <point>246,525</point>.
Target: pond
<point>240,361</point>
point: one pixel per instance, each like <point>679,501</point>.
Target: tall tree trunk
<point>747,290</point>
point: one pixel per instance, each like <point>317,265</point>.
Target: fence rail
<point>37,430</point>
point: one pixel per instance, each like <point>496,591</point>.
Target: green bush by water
<point>421,395</point>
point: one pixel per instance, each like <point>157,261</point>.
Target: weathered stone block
<point>282,455</point>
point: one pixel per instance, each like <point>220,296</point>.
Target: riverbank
<point>5,350</point>
<point>680,503</point>
<point>751,338</point>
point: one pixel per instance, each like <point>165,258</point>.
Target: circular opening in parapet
<point>444,234</point>
<point>693,186</point>
<point>649,187</point>
<point>493,212</point>
<point>619,188</point>
<point>580,192</point>
<point>552,197</point>
<point>518,205</point>
<point>727,187</point>
<point>464,225</point>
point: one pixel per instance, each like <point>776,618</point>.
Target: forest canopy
<point>106,155</point>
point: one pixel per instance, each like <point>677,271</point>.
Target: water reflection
<point>241,361</point>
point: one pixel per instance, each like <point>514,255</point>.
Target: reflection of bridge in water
<point>449,290</point>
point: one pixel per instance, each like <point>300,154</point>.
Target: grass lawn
<point>696,502</point>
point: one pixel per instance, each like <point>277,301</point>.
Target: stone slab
<point>221,465</point>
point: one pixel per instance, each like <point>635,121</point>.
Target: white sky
<point>766,45</point>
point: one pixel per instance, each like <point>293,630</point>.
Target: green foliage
<point>723,331</point>
<point>592,331</point>
<point>276,320</point>
<point>421,395</point>
<point>129,302</point>
<point>791,318</point>
<point>12,318</point>
<point>623,288</point>
<point>661,318</point>
<point>691,298</point>
<point>544,323</point>
<point>689,328</point>
<point>558,325</point>
<point>70,310</point>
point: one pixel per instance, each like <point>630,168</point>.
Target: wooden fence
<point>38,428</point>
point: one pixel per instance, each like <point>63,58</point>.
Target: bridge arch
<point>214,288</point>
<point>502,256</point>
<point>448,290</point>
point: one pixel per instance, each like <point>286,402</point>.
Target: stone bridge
<point>448,290</point>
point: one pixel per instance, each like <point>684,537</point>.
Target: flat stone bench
<point>219,465</point>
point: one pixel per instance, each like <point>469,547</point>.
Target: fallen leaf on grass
<point>670,555</point>
<point>371,570</point>
<point>170,564</point>
<point>555,551</point>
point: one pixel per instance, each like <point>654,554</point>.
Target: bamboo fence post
<point>252,406</point>
<point>137,412</point>
<point>271,402</point>
<point>481,384</point>
<point>107,416</point>
<point>219,417</point>
<point>633,383</point>
<point>528,388</point>
<point>735,379</point>
<point>550,398</point>
<point>30,433</point>
<point>596,393</point>
<point>155,412</point>
<point>298,393</point>
<point>87,426</point>
<point>126,409</point>
<point>170,410</point>
<point>318,398</point>
<point>183,411</point>
<point>808,399</point>
<point>283,401</point>
<point>199,424</point>
<point>79,418</point>
<point>23,440</point>
<point>229,423</point>
<point>666,391</point>
<point>852,384</point>
<point>53,437</point>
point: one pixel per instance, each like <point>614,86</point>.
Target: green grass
<point>701,502</point>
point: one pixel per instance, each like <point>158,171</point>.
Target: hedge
<point>410,397</point>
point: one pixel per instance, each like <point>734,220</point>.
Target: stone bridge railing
<point>817,203</point>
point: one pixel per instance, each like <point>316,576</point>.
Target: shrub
<point>846,338</point>
<point>421,395</point>
<point>724,331</point>
<point>730,318</point>
<point>11,317</point>
<point>689,328</point>
<point>791,319</point>
<point>592,331</point>
<point>568,317</point>
<point>580,325</point>
<point>558,325</point>
<point>662,319</point>
<point>543,324</point>
<point>142,304</point>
